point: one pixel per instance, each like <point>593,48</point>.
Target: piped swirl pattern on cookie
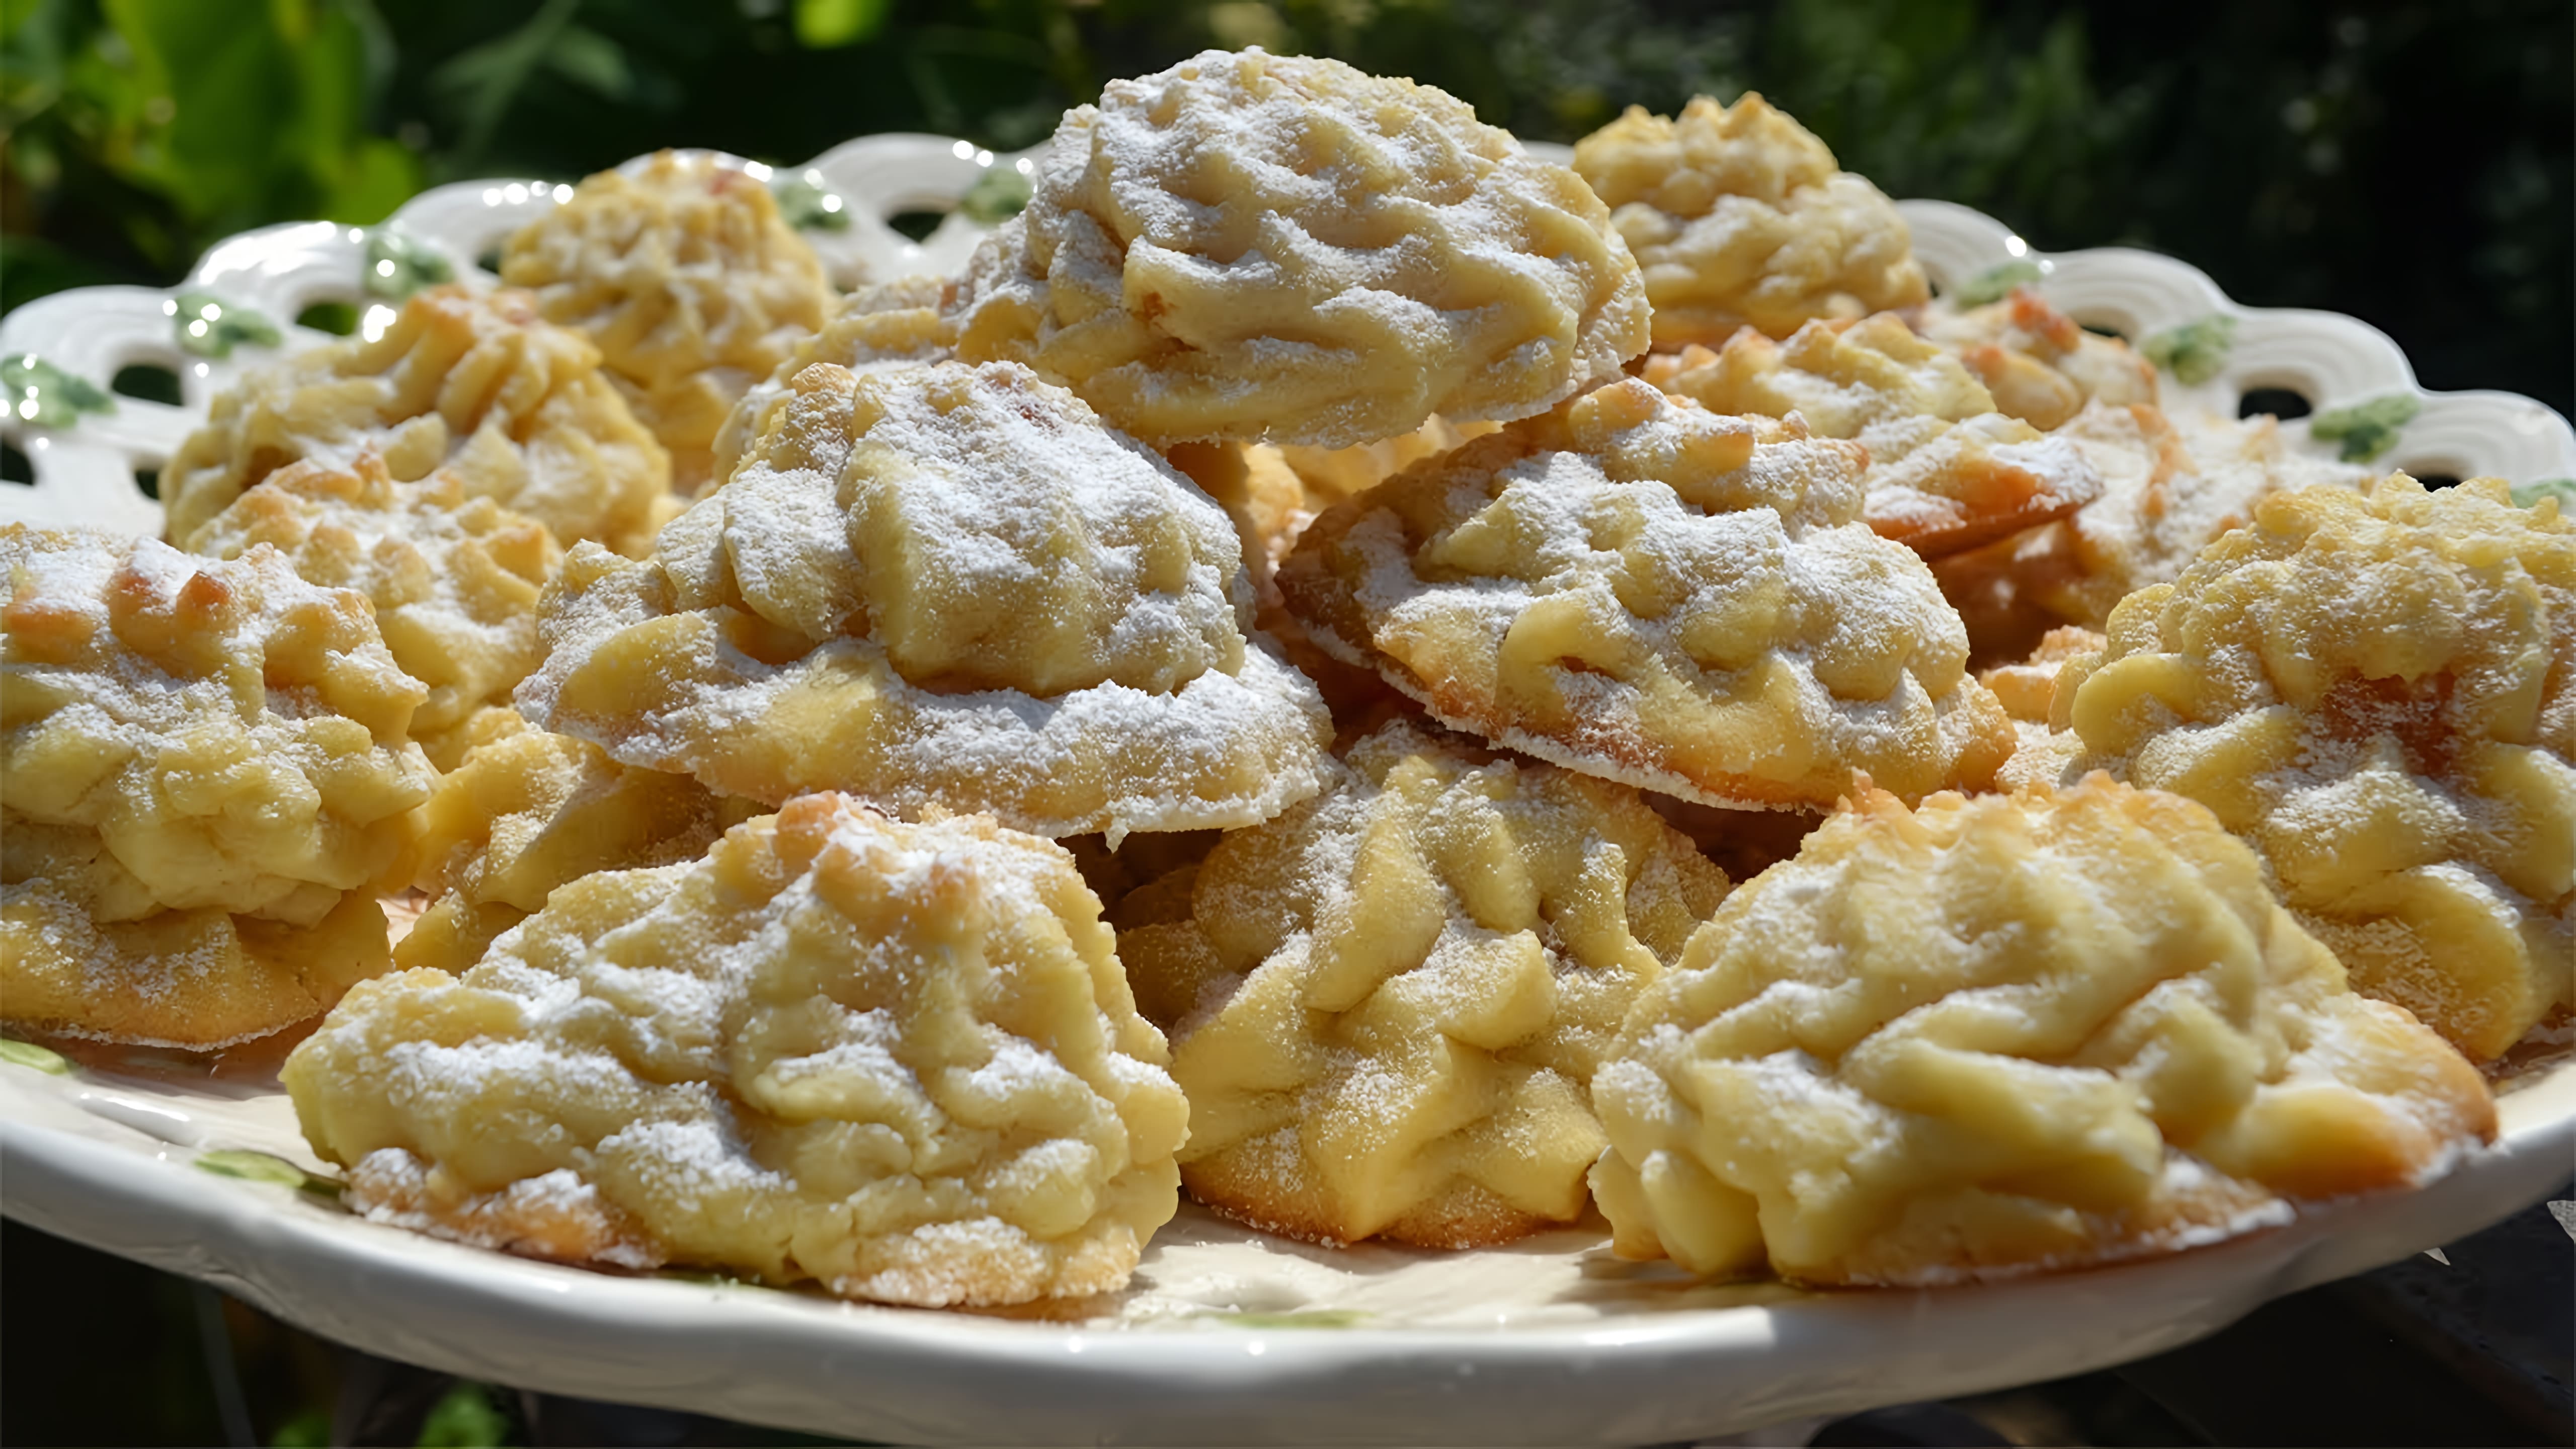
<point>1636,587</point>
<point>2005,1035</point>
<point>2380,693</point>
<point>517,409</point>
<point>945,587</point>
<point>1738,218</point>
<point>1282,248</point>
<point>204,781</point>
<point>1391,1000</point>
<point>896,1060</point>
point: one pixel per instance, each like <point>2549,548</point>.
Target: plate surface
<point>1226,1337</point>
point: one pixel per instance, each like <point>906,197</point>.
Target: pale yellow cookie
<point>454,578</point>
<point>899,1061</point>
<point>1946,470</point>
<point>2170,485</point>
<point>2040,365</point>
<point>1638,588</point>
<point>1259,491</point>
<point>879,326</point>
<point>2024,688</point>
<point>478,384</point>
<point>1281,248</point>
<point>694,287</point>
<point>2379,692</point>
<point>2008,1035</point>
<point>2044,755</point>
<point>1330,475</point>
<point>524,812</point>
<point>1389,1002</point>
<point>1738,218</point>
<point>942,587</point>
<point>204,781</point>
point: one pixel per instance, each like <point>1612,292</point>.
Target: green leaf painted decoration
<point>464,1419</point>
<point>39,392</point>
<point>2527,495</point>
<point>265,1167</point>
<point>808,205</point>
<point>211,327</point>
<point>1996,283</point>
<point>399,264</point>
<point>1300,1318</point>
<point>33,1057</point>
<point>997,196</point>
<point>2366,429</point>
<point>2195,352</point>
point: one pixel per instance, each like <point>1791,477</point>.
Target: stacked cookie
<point>1248,689</point>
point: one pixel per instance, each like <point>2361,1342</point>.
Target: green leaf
<point>2195,352</point>
<point>808,205</point>
<point>487,78</point>
<point>1996,283</point>
<point>208,326</point>
<point>251,110</point>
<point>997,196</point>
<point>592,61</point>
<point>1299,1318</point>
<point>33,1057</point>
<point>265,1167</point>
<point>2528,495</point>
<point>464,1419</point>
<point>2366,429</point>
<point>43,394</point>
<point>399,264</point>
<point>825,24</point>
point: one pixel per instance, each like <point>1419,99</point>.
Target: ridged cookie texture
<point>2379,692</point>
<point>1282,248</point>
<point>1636,587</point>
<point>2041,366</point>
<point>523,812</point>
<point>1947,470</point>
<point>1738,218</point>
<point>205,779</point>
<point>688,280</point>
<point>899,1061</point>
<point>479,384</point>
<point>454,578</point>
<point>2006,1035</point>
<point>1387,1005</point>
<point>942,587</point>
<point>2171,485</point>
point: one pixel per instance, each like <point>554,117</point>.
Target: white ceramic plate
<point>1226,1336</point>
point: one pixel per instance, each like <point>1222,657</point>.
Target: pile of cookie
<point>1401,690</point>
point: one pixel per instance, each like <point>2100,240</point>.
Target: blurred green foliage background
<point>2407,162</point>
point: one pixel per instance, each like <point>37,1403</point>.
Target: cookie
<point>1641,589</point>
<point>205,779</point>
<point>942,587</point>
<point>1738,218</point>
<point>1281,248</point>
<point>2008,1035</point>
<point>691,284</point>
<point>898,1061</point>
<point>454,578</point>
<point>1386,1005</point>
<point>2379,692</point>
<point>479,384</point>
